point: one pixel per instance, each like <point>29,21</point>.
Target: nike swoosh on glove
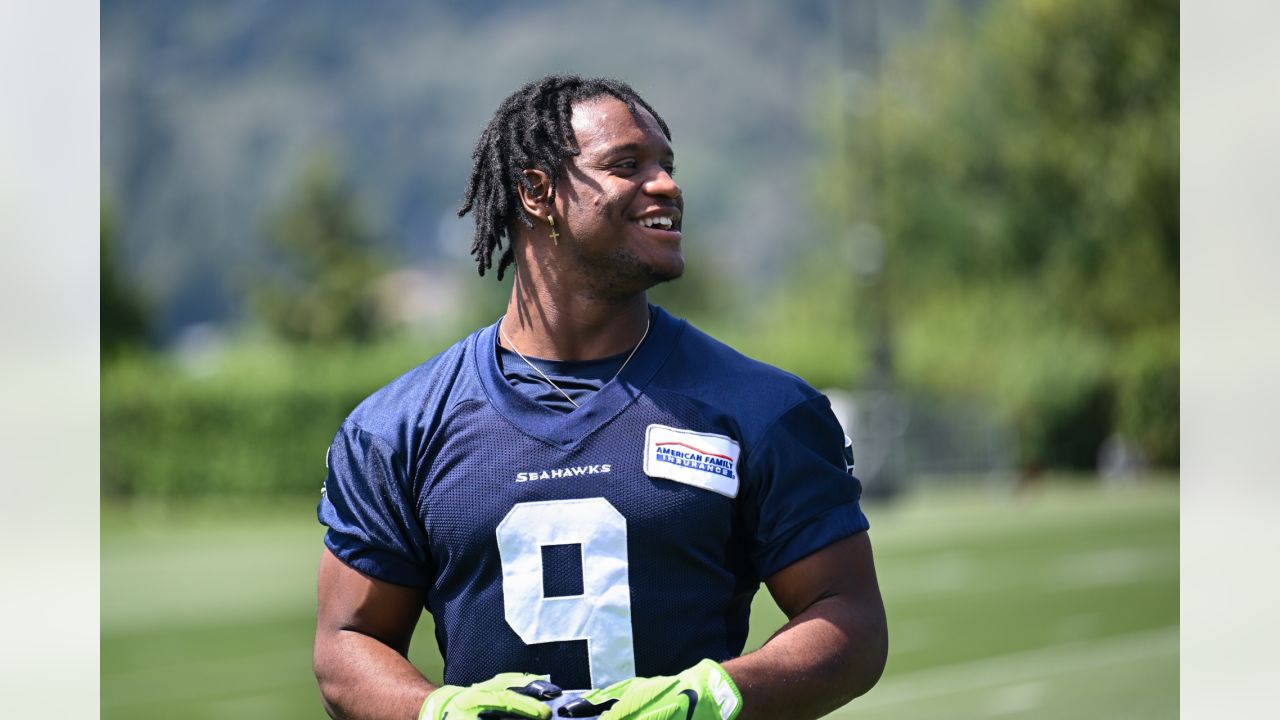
<point>703,692</point>
<point>506,696</point>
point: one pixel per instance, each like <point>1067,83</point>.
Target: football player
<point>587,493</point>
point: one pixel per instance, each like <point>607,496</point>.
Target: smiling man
<point>587,494</point>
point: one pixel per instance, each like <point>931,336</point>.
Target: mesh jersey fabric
<point>427,474</point>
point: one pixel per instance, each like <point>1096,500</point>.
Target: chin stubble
<point>625,273</point>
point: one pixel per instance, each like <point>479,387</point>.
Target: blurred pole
<point>879,416</point>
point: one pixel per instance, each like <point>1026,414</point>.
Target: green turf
<point>1062,604</point>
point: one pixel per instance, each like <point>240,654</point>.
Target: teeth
<point>660,220</point>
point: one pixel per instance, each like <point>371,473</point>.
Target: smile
<point>658,221</point>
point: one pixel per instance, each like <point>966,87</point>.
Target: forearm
<point>361,678</point>
<point>827,655</point>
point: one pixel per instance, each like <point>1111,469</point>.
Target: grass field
<point>1063,603</point>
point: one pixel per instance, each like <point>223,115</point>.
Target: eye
<point>670,168</point>
<point>628,164</point>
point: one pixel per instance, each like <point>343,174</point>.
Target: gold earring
<point>554,234</point>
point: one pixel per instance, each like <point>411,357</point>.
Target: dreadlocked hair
<point>530,130</point>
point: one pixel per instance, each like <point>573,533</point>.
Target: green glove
<point>493,699</point>
<point>703,692</point>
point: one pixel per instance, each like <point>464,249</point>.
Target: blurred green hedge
<point>259,420</point>
<point>1148,396</point>
<point>255,420</point>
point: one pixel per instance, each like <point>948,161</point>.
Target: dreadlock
<point>530,130</point>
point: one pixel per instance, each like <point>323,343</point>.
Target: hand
<point>506,696</point>
<point>703,692</point>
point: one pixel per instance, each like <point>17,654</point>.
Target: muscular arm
<point>833,648</point>
<point>363,627</point>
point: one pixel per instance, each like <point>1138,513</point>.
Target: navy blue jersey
<point>625,538</point>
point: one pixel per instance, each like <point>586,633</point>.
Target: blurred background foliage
<point>123,311</point>
<point>1014,189</point>
<point>322,292</point>
<point>966,205</point>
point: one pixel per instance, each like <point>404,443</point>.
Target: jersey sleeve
<point>801,494</point>
<point>368,507</point>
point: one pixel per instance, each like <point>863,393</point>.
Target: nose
<point>663,185</point>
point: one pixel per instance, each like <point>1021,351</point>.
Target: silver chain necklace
<point>516,350</point>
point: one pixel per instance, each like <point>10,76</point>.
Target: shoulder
<point>709,371</point>
<point>403,410</point>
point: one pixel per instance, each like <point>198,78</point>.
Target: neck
<point>550,317</point>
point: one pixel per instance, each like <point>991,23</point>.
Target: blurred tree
<point>1028,201</point>
<point>124,316</point>
<point>325,291</point>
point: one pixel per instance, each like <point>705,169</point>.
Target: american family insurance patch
<point>704,460</point>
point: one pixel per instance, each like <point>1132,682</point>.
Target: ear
<point>536,202</point>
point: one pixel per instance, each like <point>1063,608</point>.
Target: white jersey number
<point>601,615</point>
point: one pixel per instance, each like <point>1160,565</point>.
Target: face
<point>619,205</point>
